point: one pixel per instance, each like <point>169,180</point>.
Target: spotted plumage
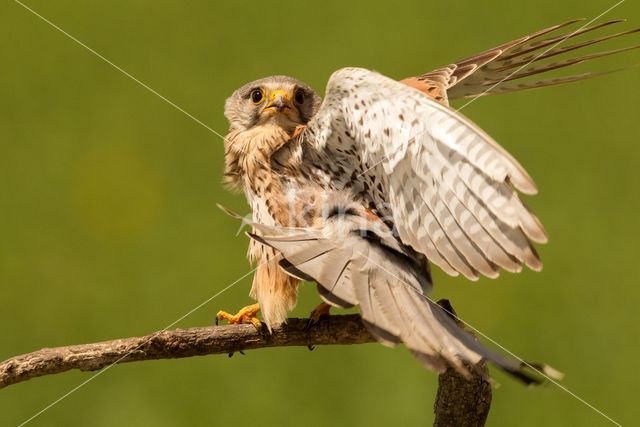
<point>381,178</point>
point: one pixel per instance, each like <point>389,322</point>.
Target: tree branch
<point>462,402</point>
<point>347,329</point>
<point>456,396</point>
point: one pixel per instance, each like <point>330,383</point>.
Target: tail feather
<point>353,265</point>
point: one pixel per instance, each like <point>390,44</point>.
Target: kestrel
<point>361,191</point>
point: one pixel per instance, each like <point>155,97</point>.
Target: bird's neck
<point>248,151</point>
<point>248,166</point>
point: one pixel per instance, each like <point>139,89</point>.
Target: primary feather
<point>487,72</point>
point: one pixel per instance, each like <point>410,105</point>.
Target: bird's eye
<point>299,97</point>
<point>257,95</point>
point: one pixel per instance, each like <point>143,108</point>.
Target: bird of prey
<point>361,191</point>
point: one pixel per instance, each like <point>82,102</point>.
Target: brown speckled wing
<point>518,59</point>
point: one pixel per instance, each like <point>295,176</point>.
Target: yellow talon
<point>245,315</point>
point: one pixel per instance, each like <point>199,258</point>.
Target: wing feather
<point>423,230</point>
<point>450,189</point>
<point>513,62</point>
<point>480,74</point>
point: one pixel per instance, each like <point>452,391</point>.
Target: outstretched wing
<point>518,59</point>
<point>450,190</point>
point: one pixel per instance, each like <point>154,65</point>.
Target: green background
<point>108,223</point>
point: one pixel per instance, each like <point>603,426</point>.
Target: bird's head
<point>278,100</point>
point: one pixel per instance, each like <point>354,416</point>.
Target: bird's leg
<point>245,315</point>
<point>319,312</point>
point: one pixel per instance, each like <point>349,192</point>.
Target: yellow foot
<point>319,312</point>
<point>245,315</point>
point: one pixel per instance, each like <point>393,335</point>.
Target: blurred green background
<point>108,223</point>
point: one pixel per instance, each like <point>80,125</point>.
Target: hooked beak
<point>279,100</point>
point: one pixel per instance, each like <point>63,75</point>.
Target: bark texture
<point>459,402</point>
<point>178,343</point>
